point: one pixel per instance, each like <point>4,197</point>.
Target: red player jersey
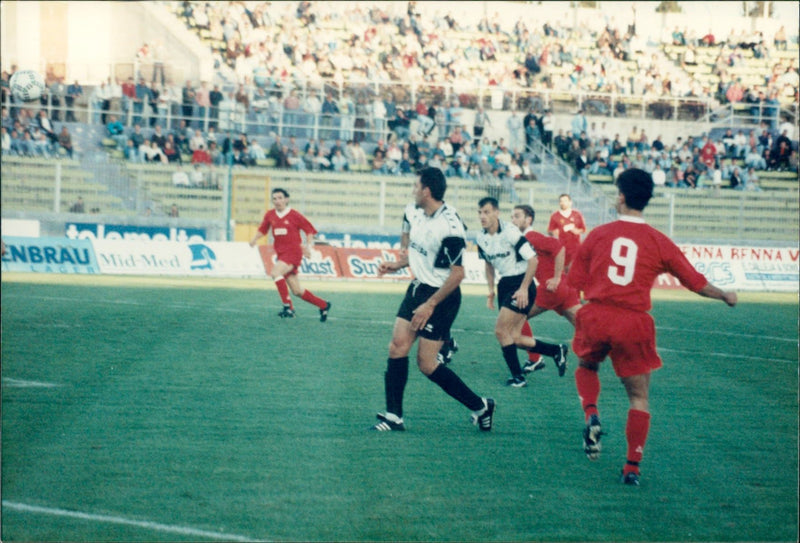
<point>546,248</point>
<point>286,230</point>
<point>564,226</point>
<point>618,263</point>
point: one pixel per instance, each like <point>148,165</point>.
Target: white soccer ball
<point>27,85</point>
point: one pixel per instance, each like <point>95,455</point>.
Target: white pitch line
<point>22,383</point>
<point>184,305</point>
<point>155,526</point>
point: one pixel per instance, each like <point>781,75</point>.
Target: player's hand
<point>421,316</point>
<point>490,300</point>
<point>307,251</point>
<point>730,298</point>
<point>521,296</point>
<point>386,267</point>
<point>552,284</point>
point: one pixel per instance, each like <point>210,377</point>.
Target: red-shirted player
<point>286,224</point>
<point>615,267</point>
<point>567,224</point>
<point>552,291</point>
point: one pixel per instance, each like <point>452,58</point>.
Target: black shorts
<point>438,326</point>
<point>506,288</point>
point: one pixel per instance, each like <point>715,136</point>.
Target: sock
<point>394,381</point>
<point>636,433</point>
<point>588,384</point>
<point>283,290</point>
<point>310,298</point>
<point>547,349</point>
<point>512,360</point>
<point>455,387</point>
<point>527,332</point>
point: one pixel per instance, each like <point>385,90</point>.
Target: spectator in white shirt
<point>179,178</point>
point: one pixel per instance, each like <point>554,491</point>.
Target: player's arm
<point>521,295</point>
<point>525,251</point>
<point>716,293</point>
<point>680,267</point>
<point>558,270</point>
<point>257,236</point>
<point>490,284</point>
<point>309,245</point>
<point>404,241</point>
<point>578,275</point>
<point>262,231</point>
<point>400,263</point>
<point>581,227</point>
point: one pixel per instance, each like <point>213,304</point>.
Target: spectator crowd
<point>287,77</point>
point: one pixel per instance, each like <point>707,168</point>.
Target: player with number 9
<point>616,267</point>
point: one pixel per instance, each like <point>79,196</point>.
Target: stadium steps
<point>29,184</point>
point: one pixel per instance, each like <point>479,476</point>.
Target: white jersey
<point>435,243</point>
<point>507,250</point>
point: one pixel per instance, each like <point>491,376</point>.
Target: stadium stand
<point>609,72</point>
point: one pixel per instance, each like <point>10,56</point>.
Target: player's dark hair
<point>488,200</point>
<point>433,178</point>
<point>527,210</point>
<point>282,191</point>
<point>565,195</point>
<point>637,187</point>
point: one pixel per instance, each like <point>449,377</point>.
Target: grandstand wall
<point>92,41</point>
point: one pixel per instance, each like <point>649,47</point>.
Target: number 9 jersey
<point>618,263</point>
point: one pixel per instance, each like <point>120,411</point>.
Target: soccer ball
<point>27,85</point>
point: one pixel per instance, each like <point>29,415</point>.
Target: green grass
<point>199,411</point>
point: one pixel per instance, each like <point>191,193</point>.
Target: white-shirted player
<point>436,244</point>
<point>508,254</point>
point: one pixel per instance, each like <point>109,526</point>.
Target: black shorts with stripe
<point>506,288</point>
<point>438,326</point>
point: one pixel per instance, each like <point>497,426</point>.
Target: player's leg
<point>558,352</point>
<point>638,424</point>
<point>436,330</point>
<point>307,296</point>
<point>279,272</point>
<point>396,375</point>
<point>634,356</point>
<point>587,382</point>
<point>449,348</point>
<point>451,383</point>
<point>535,362</point>
<point>588,344</point>
<point>570,313</point>
<point>507,328</point>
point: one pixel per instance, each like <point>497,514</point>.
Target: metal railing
<point>360,202</point>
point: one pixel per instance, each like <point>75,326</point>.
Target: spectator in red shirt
<point>708,154</point>
<point>200,155</point>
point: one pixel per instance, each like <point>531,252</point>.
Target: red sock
<point>588,384</point>
<point>283,290</point>
<point>527,332</point>
<point>636,432</point>
<point>310,298</point>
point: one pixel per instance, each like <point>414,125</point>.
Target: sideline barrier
<point>730,267</point>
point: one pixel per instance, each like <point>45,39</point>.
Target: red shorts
<point>628,337</point>
<point>559,301</point>
<point>293,258</point>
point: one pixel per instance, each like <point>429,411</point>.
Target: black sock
<point>394,381</point>
<point>455,387</point>
<point>512,360</point>
<point>547,349</point>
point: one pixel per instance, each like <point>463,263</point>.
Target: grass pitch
<point>170,410</point>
